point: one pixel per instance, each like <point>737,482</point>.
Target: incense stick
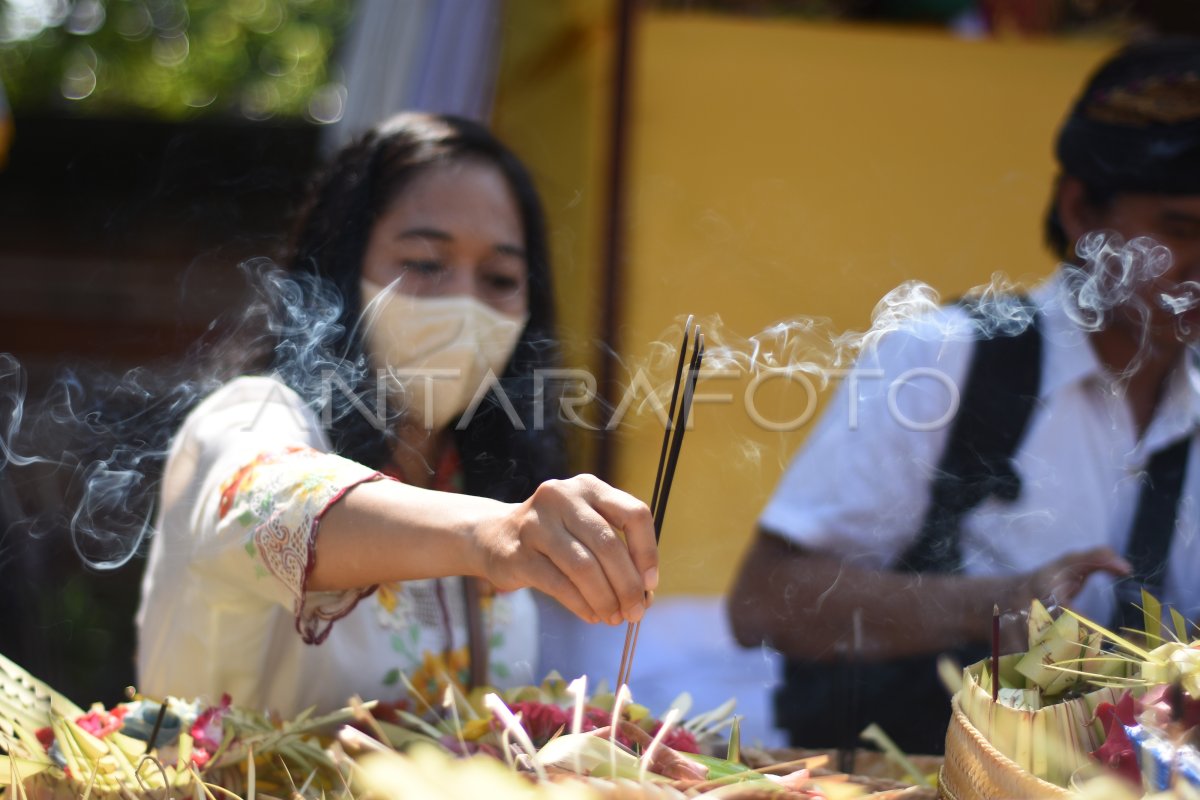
<point>667,460</point>
<point>667,431</point>
<point>668,473</point>
<point>658,474</point>
<point>847,753</point>
<point>995,653</point>
<point>685,408</point>
<point>158,723</point>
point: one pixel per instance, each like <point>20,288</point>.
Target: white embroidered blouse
<point>224,603</point>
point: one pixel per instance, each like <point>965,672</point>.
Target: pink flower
<point>678,739</point>
<point>594,718</point>
<point>207,733</point>
<point>540,720</point>
<point>102,723</point>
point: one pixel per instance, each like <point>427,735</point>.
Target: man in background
<point>1064,473</point>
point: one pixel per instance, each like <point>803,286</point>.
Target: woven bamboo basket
<point>974,770</point>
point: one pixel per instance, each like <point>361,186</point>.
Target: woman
<point>310,539</point>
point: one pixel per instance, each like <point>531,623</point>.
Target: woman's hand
<point>589,546</point>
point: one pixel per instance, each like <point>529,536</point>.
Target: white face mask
<point>436,351</point>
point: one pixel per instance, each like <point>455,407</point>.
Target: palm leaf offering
<point>1085,701</point>
<point>27,700</point>
<point>548,741</point>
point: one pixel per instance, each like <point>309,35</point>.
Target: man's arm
<point>803,603</point>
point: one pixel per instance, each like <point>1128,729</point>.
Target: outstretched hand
<point>1062,579</point>
<point>586,544</point>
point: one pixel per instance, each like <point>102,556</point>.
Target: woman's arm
<point>803,603</point>
<point>272,517</point>
<point>581,541</point>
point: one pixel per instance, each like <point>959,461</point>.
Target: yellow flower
<point>435,674</point>
<point>386,594</point>
<point>476,728</point>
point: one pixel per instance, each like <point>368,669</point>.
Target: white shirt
<point>224,609</point>
<point>861,491</point>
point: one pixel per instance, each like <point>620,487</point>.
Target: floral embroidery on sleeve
<point>279,498</point>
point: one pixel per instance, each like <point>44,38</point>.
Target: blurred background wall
<point>774,161</point>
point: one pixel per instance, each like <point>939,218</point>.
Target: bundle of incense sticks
<point>681,406</point>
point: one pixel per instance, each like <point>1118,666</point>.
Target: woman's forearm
<point>584,543</point>
<point>384,530</point>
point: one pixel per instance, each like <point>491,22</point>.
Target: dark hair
<point>1135,127</point>
<point>499,459</point>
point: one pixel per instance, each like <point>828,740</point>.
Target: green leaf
<point>1180,624</point>
<point>392,677</point>
<point>734,752</point>
<point>23,768</point>
<point>415,695</point>
<point>875,735</point>
<point>421,725</point>
<point>1151,615</point>
<point>1117,639</point>
<point>400,737</point>
<point>400,646</point>
<point>720,767</point>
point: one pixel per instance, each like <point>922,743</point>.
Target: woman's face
<point>455,229</point>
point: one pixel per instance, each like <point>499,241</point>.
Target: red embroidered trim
<point>318,630</point>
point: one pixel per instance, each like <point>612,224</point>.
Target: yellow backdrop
<point>779,171</point>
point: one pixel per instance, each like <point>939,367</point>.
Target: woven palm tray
<point>974,770</point>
